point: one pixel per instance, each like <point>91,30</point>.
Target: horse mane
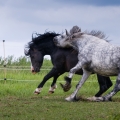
<point>75,30</point>
<point>40,39</point>
<point>96,33</point>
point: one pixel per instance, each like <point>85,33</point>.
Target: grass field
<point>17,101</point>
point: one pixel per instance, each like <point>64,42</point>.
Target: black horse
<point>63,59</point>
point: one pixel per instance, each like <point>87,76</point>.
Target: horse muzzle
<point>34,71</point>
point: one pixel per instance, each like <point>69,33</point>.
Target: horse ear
<point>67,33</point>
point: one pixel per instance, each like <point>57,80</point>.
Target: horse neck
<point>80,43</point>
<point>48,48</point>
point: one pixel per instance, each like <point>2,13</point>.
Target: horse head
<point>36,58</point>
<point>40,46</point>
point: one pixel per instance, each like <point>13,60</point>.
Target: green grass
<point>55,108</point>
<point>17,101</point>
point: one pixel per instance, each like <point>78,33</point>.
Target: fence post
<point>4,61</point>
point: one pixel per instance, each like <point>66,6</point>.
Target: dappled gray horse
<point>95,56</point>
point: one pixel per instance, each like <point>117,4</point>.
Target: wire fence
<point>8,69</point>
<point>23,68</point>
<point>5,73</point>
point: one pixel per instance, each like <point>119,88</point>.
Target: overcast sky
<point>20,18</point>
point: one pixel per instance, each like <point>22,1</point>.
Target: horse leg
<point>104,84</point>
<point>53,85</point>
<point>112,93</point>
<point>52,73</point>
<point>66,87</point>
<point>72,97</point>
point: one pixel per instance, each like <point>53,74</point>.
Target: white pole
<point>4,61</point>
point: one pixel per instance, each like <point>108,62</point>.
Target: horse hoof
<point>71,99</point>
<point>51,92</point>
<point>65,87</point>
<point>36,92</point>
<point>52,89</point>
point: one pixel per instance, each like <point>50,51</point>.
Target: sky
<point>20,18</point>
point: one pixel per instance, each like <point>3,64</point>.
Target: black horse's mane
<point>40,39</point>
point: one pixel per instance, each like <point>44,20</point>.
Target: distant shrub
<point>21,61</point>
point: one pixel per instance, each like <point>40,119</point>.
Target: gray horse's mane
<point>99,34</point>
<point>96,33</point>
